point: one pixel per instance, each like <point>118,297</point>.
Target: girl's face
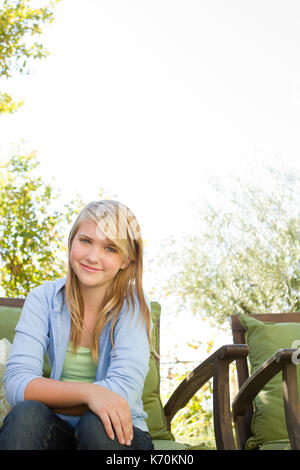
<point>95,260</point>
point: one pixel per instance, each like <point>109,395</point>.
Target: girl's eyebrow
<point>83,235</point>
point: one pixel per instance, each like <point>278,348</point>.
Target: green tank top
<point>78,367</point>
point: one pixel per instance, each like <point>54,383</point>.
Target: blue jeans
<point>31,425</point>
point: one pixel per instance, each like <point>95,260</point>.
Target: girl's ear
<point>125,263</point>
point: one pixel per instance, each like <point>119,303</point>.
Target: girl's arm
<point>23,373</point>
<point>56,394</point>
<point>112,409</point>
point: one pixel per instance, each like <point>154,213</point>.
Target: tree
<point>245,256</point>
<point>20,24</point>
<point>32,231</point>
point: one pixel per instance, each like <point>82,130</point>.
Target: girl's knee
<point>25,426</point>
<point>90,424</point>
<point>90,433</point>
<point>29,411</point>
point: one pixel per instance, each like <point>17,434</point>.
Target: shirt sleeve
<point>30,343</point>
<point>129,361</point>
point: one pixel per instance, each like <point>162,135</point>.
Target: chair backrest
<point>239,337</point>
<point>11,302</point>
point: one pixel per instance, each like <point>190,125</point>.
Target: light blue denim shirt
<point>44,327</point>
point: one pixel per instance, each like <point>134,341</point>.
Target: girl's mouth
<point>88,268</point>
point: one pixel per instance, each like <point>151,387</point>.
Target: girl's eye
<point>111,249</point>
<point>86,241</point>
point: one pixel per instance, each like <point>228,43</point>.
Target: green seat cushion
<point>151,395</point>
<point>276,445</point>
<point>172,445</point>
<point>264,339</point>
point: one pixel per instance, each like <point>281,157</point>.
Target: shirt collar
<point>58,292</point>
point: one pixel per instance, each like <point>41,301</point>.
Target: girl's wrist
<point>84,390</point>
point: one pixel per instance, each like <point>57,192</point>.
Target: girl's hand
<point>114,412</point>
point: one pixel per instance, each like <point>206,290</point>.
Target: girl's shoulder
<point>49,292</point>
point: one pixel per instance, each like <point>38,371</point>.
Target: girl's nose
<point>94,256</point>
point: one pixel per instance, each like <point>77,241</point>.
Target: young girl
<point>95,326</point>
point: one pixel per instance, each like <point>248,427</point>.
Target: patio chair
<point>266,409</point>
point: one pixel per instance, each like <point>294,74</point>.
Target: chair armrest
<point>282,360</point>
<point>258,379</point>
<point>217,366</point>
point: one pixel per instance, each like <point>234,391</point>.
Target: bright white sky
<point>143,98</point>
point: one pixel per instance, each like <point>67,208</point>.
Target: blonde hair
<point>117,223</point>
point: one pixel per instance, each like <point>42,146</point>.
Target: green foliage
<point>193,423</point>
<point>32,245</point>
<point>7,105</point>
<point>20,24</point>
<point>245,256</point>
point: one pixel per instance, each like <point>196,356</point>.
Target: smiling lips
<point>88,268</point>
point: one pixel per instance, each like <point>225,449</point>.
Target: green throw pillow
<point>9,317</point>
<point>156,420</point>
<point>264,339</point>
